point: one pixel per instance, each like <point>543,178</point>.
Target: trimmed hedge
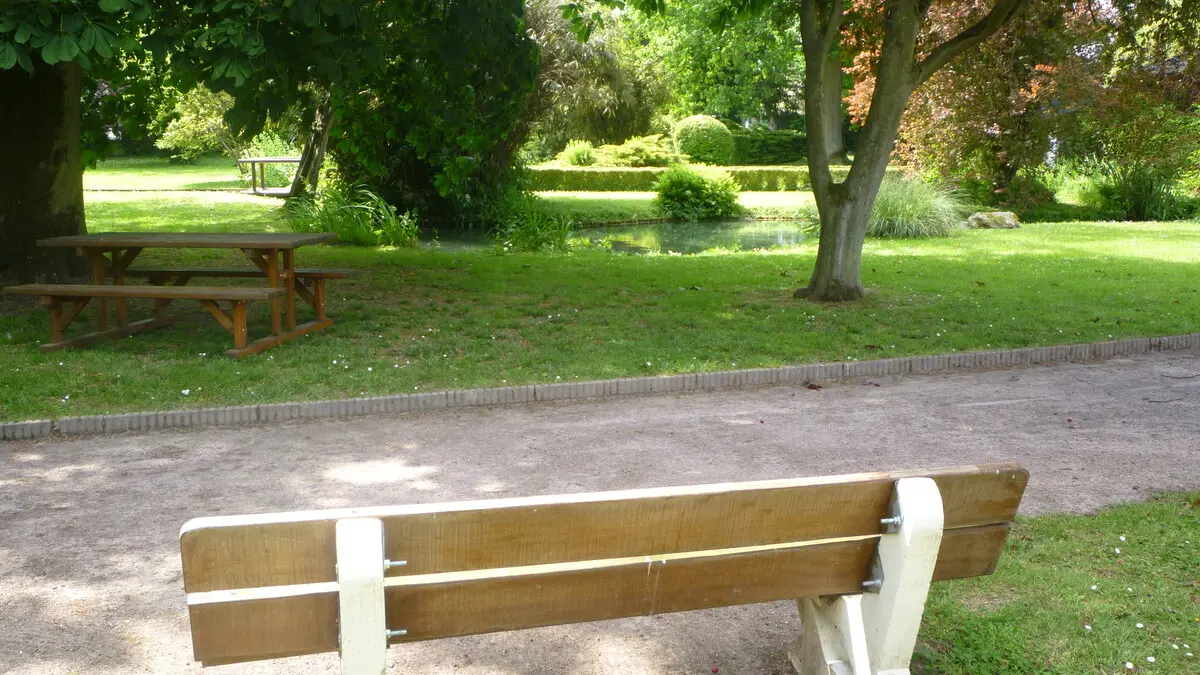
<point>763,147</point>
<point>750,178</point>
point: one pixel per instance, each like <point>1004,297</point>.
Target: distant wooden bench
<point>311,286</point>
<point>77,296</point>
<point>858,553</point>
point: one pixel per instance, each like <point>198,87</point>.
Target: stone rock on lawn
<point>993,220</point>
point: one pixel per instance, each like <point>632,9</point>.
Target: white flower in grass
<point>1093,587</point>
<point>1150,659</point>
<point>1140,626</point>
<point>1117,551</point>
<point>1122,537</point>
<point>1086,627</point>
<point>335,362</point>
<point>1128,665</point>
<point>186,392</point>
<point>1174,646</point>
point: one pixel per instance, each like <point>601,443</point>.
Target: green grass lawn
<point>1064,601</point>
<point>420,320</point>
<point>158,173</point>
<point>602,208</point>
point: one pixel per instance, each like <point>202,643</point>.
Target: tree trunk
<point>835,149</point>
<point>41,175</point>
<point>308,174</point>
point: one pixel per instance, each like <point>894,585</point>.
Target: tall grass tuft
<point>357,215</point>
<point>914,208</point>
<point>522,224</point>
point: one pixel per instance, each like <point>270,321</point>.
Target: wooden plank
<point>467,603</point>
<point>172,292</point>
<point>272,340</point>
<point>297,548</point>
<point>120,331</point>
<point>970,552</point>
<point>470,603</point>
<point>110,240</point>
<point>234,272</point>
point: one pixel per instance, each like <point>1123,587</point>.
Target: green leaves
<point>62,47</point>
<point>8,54</point>
<point>112,6</point>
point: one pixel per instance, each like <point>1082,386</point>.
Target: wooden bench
<point>857,552</point>
<point>311,286</point>
<point>77,296</point>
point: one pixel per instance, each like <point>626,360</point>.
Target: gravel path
<point>89,565</point>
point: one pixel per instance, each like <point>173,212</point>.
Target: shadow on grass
<point>214,185</point>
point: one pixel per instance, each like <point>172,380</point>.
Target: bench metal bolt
<point>892,522</point>
<point>397,633</point>
<point>389,564</point>
<point>872,584</point>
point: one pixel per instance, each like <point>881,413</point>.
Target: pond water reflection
<point>689,238</point>
<point>685,238</point>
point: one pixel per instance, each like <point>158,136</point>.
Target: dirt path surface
<point>89,563</point>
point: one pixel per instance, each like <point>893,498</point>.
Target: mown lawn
<point>159,173</point>
<point>420,320</point>
<point>1111,593</point>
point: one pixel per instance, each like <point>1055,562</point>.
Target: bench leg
<point>362,616</point>
<point>875,633</point>
<point>239,324</point>
<point>99,268</point>
<point>318,293</point>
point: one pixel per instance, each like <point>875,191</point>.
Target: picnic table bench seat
<point>76,296</point>
<point>857,553</point>
<point>168,273</point>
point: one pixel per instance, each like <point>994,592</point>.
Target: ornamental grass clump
<point>694,193</point>
<point>913,208</point>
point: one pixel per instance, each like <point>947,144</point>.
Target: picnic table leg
<point>98,265</point>
<point>121,262</point>
<point>274,281</point>
<point>318,292</point>
<point>239,324</point>
<point>289,281</point>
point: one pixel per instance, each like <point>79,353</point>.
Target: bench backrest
<point>265,586</point>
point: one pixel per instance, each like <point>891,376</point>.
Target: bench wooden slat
<point>236,272</point>
<point>227,626</point>
<point>298,548</point>
<point>161,292</point>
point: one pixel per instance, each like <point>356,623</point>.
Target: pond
<point>685,238</point>
<point>690,238</point>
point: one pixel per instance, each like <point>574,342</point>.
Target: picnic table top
<point>263,240</point>
<point>269,160</point>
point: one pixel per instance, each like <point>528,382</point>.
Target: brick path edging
<point>661,384</point>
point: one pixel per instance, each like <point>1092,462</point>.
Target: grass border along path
<point>793,375</point>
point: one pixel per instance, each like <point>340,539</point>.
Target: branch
<point>833,25</point>
<point>1002,13</point>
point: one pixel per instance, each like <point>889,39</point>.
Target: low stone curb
<point>662,384</point>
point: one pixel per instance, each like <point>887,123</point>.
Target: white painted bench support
<point>362,626</point>
<point>874,633</point>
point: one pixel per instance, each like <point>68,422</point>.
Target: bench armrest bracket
<point>362,619</point>
<point>875,633</point>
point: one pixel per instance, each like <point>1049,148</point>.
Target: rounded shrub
<point>696,193</point>
<point>914,208</point>
<point>704,139</point>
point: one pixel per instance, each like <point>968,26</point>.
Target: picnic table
<point>261,162</point>
<point>112,253</point>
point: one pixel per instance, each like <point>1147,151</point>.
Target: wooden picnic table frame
<point>111,253</point>
<point>260,163</point>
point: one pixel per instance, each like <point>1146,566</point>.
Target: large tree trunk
<point>831,80</point>
<point>308,174</point>
<point>845,208</point>
<point>41,176</point>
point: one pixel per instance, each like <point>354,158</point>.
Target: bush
<point>577,153</point>
<point>523,225</point>
<point>704,139</point>
<point>639,151</point>
<point>358,217</point>
<point>695,193</point>
<point>1135,192</point>
<point>765,147</point>
<point>914,208</point>
<point>268,144</point>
